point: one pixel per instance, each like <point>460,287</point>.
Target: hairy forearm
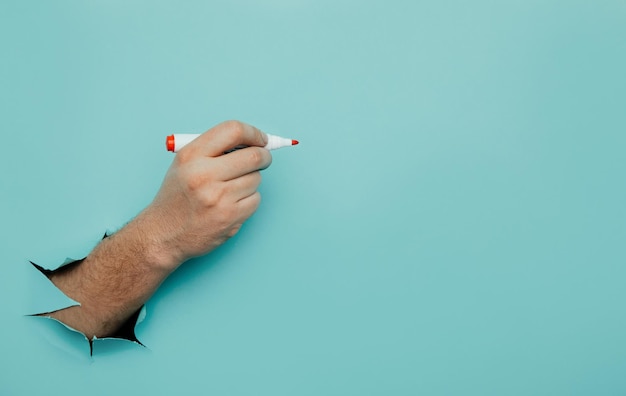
<point>114,281</point>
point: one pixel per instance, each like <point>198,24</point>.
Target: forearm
<point>114,281</point>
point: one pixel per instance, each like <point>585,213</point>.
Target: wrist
<point>154,241</point>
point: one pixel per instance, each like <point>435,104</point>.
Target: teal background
<point>452,223</point>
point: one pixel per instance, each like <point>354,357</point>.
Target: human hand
<point>206,195</point>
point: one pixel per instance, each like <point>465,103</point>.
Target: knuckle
<point>183,157</point>
<point>212,197</point>
<point>234,230</point>
<point>234,128</point>
<point>255,157</point>
<point>194,182</point>
<point>231,124</point>
<point>209,199</point>
<point>258,156</point>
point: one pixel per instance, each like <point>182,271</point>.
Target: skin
<point>205,198</point>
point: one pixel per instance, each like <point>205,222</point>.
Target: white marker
<point>179,140</point>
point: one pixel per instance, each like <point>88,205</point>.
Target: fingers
<point>226,136</point>
<point>249,205</point>
<point>242,162</point>
<point>243,187</point>
<point>243,194</point>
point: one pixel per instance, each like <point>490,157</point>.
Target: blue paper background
<point>453,221</point>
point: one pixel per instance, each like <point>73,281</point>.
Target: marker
<point>179,140</point>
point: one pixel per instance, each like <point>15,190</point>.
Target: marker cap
<point>170,143</point>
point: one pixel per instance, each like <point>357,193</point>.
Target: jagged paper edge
<point>129,331</point>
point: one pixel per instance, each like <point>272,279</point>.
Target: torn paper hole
<point>55,300</point>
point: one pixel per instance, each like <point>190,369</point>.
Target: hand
<point>206,195</point>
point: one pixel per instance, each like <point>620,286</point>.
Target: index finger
<point>226,136</point>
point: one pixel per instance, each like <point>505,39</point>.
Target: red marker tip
<point>294,142</point>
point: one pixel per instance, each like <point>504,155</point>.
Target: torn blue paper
<point>46,298</point>
<point>43,295</point>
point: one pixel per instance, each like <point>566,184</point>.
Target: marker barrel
<point>177,141</point>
